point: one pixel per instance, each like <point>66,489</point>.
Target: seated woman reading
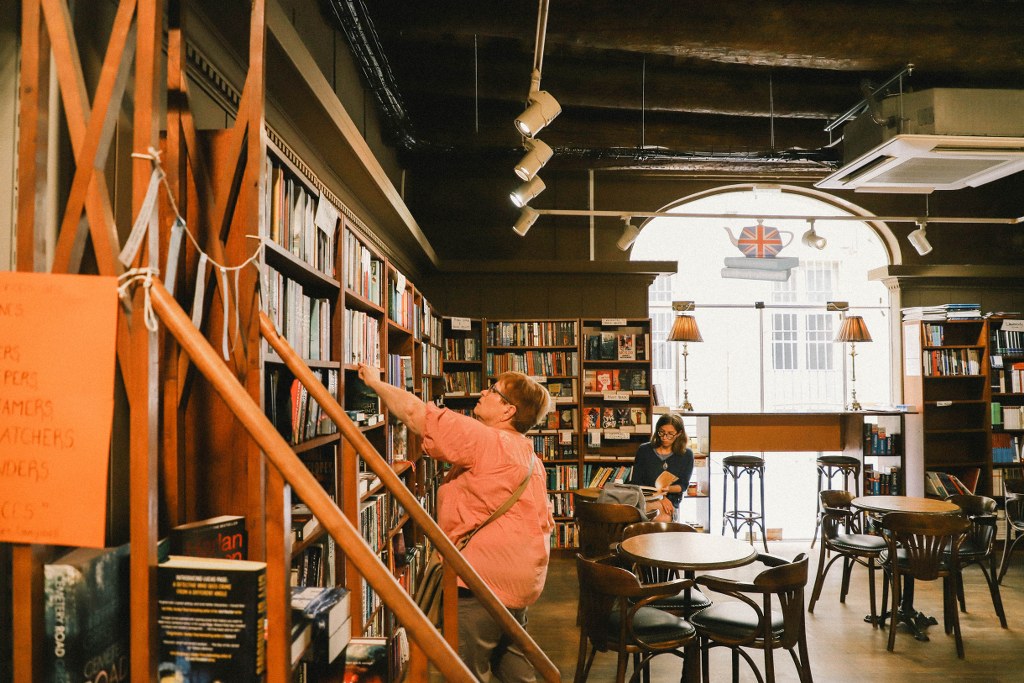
<point>665,452</point>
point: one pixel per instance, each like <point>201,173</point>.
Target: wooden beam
<point>33,111</point>
<point>68,255</point>
<point>144,388</point>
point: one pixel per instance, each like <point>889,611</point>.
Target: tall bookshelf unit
<point>1006,384</point>
<point>617,408</point>
<point>548,351</point>
<point>946,378</point>
<point>696,503</point>
<point>554,352</point>
<point>302,297</point>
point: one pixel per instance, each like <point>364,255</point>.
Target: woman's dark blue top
<point>648,466</point>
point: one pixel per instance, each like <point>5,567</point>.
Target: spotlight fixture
<point>542,110</point>
<point>522,195</point>
<point>629,234</point>
<point>527,217</point>
<point>813,239</point>
<point>537,154</point>
<point>919,239</point>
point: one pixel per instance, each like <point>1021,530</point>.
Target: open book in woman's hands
<point>664,480</point>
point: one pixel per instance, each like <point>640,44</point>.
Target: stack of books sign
<point>943,312</point>
<point>775,268</point>
<point>962,311</point>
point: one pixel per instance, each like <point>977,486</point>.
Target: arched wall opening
<point>767,322</point>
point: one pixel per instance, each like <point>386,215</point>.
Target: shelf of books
<point>616,401</point>
<point>394,329</point>
<point>695,506</point>
<point>1006,384</point>
<point>882,452</point>
<point>946,378</point>
<point>548,351</point>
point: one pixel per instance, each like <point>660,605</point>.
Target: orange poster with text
<point>57,338</point>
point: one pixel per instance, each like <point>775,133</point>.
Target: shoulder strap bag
<point>428,591</point>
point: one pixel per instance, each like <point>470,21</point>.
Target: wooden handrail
<point>208,362</point>
<point>452,557</point>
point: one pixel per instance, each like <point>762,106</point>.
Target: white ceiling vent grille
<point>951,139</point>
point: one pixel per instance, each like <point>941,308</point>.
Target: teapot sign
<point>760,241</point>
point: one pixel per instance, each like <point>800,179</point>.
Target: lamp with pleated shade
<point>853,330</point>
<point>685,330</point>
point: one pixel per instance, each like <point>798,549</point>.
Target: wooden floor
<point>842,646</point>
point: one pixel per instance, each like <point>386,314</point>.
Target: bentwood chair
<point>924,547</point>
<point>1013,490</point>
<point>616,615</point>
<point>601,525</point>
<point>767,614</point>
<point>841,535</point>
<point>680,604</point>
<point>830,467</point>
<point>977,548</point>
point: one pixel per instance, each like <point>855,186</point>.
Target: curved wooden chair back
<point>614,615</point>
<point>601,525</point>
<point>921,541</point>
<point>656,528</point>
<point>647,573</point>
<point>981,510</point>
<point>779,589</point>
<point>837,516</point>
<point>835,498</point>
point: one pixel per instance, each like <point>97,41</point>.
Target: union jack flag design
<point>759,241</point>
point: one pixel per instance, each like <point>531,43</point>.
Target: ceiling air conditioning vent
<point>941,139</point>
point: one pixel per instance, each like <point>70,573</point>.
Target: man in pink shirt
<point>490,457</point>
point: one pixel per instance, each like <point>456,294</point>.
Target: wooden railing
<point>292,469</point>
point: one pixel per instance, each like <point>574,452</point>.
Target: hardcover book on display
<point>222,536</point>
<point>211,619</point>
<point>86,616</point>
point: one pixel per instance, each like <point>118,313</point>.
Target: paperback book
<point>86,616</point>
<point>211,619</point>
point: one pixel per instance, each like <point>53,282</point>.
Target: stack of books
<point>775,268</point>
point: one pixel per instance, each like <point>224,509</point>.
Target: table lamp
<point>684,329</point>
<point>853,330</point>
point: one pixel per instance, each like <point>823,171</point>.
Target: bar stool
<point>830,466</point>
<point>736,467</point>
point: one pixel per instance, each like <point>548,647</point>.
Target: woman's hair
<point>679,445</point>
<point>532,400</point>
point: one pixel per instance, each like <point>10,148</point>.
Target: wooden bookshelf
<point>1006,386</point>
<point>946,378</point>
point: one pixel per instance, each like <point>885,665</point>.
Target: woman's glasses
<point>667,435</point>
<point>494,389</point>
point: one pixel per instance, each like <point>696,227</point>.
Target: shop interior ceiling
<point>729,90</point>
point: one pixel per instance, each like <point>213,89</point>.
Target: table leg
<point>691,653</point>
<point>916,621</point>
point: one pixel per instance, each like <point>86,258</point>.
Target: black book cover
<point>86,616</point>
<point>211,618</point>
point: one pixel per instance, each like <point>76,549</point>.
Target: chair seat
<point>733,620</point>
<point>653,626</point>
<point>743,460</point>
<point>858,543</point>
<point>971,551</point>
<point>838,461</point>
<point>678,603</point>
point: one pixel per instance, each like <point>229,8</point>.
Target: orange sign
<point>57,339</point>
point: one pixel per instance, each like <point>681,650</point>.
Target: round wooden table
<point>688,552</point>
<point>916,621</point>
<point>884,504</point>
